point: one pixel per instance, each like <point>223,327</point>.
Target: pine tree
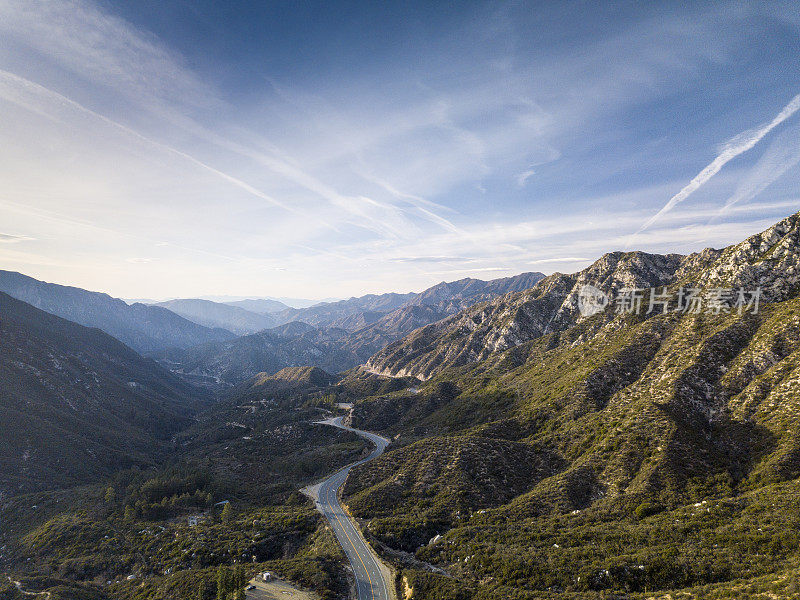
<point>110,495</point>
<point>227,513</point>
<point>202,590</point>
<point>222,583</point>
<point>238,577</point>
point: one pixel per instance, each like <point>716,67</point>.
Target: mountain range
<point>233,318</point>
<point>543,446</point>
<point>198,338</point>
<point>262,306</point>
<point>144,328</point>
<point>613,453</point>
<point>769,261</point>
<point>335,336</point>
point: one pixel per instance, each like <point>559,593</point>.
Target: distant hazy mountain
<point>339,335</point>
<point>445,297</point>
<point>291,345</point>
<point>286,301</point>
<point>347,314</point>
<point>77,404</point>
<point>144,328</point>
<point>225,316</point>
<point>261,306</point>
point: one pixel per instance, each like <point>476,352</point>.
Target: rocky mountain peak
<point>768,260</point>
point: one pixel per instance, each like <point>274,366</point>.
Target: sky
<point>167,148</point>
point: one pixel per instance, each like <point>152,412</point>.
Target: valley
<point>514,449</point>
<point>319,300</point>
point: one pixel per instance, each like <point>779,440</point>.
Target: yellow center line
<point>371,593</point>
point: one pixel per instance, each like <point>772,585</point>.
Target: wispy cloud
<point>7,238</point>
<point>560,259</point>
<point>432,259</point>
<point>286,177</point>
<point>92,44</point>
<point>52,105</point>
<point>114,55</point>
<point>737,145</point>
<point>523,177</point>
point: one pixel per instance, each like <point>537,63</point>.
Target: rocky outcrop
<point>551,305</point>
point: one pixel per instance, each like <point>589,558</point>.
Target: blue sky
<point>164,149</point>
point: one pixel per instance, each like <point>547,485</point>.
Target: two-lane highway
<point>372,580</point>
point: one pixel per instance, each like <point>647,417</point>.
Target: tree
<point>227,513</point>
<point>202,590</point>
<point>110,495</point>
<point>238,577</point>
<point>223,582</point>
<point>130,514</point>
<point>238,582</point>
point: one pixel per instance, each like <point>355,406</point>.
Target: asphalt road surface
<point>372,582</point>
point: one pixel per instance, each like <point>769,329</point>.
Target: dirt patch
<point>278,590</point>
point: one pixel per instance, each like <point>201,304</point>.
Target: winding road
<point>373,580</point>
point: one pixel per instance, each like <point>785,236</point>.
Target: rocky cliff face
<point>551,305</point>
<point>768,260</point>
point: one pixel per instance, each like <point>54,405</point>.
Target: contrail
<point>782,155</point>
<point>34,88</point>
<point>733,148</point>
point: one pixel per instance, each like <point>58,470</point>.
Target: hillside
<point>236,469</point>
<point>76,404</point>
<point>664,445</point>
<point>294,378</point>
<point>144,328</point>
<point>218,315</point>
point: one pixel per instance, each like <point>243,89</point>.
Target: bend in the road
<point>371,583</point>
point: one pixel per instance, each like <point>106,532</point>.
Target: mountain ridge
<point>354,330</point>
<point>552,304</point>
<point>217,315</point>
<point>144,328</point>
